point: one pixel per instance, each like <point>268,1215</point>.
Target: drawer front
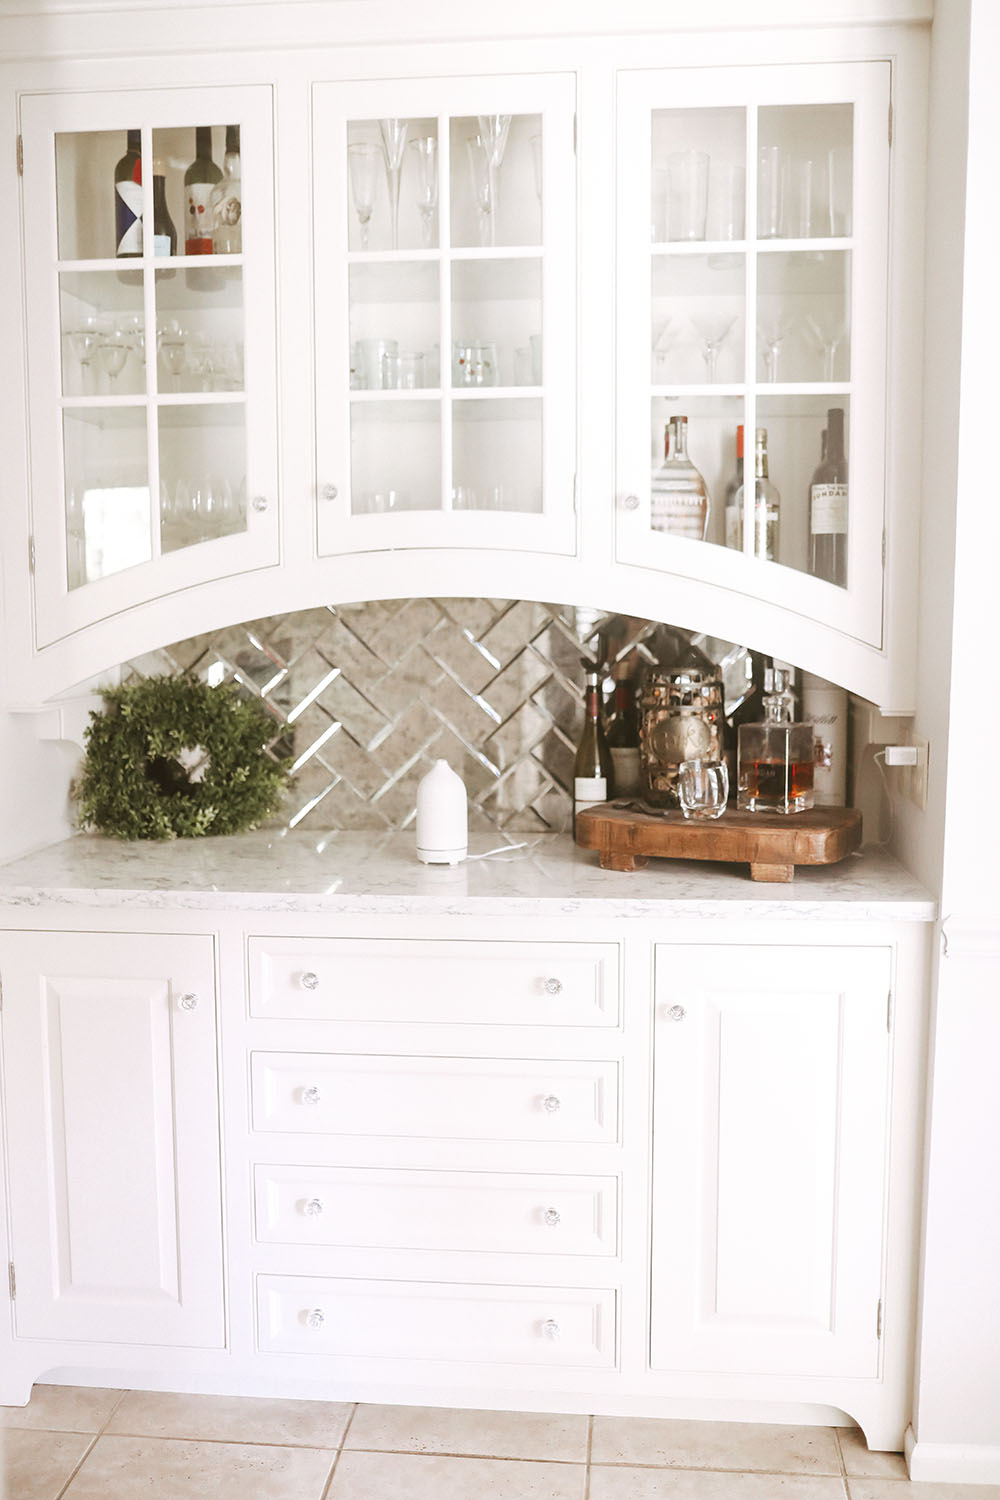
<point>438,1098</point>
<point>510,984</point>
<point>527,1325</point>
<point>420,1210</point>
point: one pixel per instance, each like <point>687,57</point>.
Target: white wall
<point>34,786</point>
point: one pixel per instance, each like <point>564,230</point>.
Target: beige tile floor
<point>132,1445</point>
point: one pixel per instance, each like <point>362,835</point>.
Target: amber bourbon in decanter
<point>776,758</point>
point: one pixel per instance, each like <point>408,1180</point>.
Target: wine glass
<point>493,132</point>
<point>393,134</point>
<point>426,153</point>
<point>482,187</point>
<point>112,352</point>
<point>83,341</point>
<point>825,334</point>
<point>712,328</point>
<point>771,335</point>
<point>172,343</point>
<point>363,162</point>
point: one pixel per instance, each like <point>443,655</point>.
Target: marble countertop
<point>379,874</point>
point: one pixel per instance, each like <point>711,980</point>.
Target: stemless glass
<point>393,134</point>
<point>363,162</point>
<point>425,150</point>
<point>687,195</point>
<point>702,788</point>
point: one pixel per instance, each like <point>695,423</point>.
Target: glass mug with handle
<point>702,788</point>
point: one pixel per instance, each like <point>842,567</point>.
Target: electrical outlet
<point>916,788</point>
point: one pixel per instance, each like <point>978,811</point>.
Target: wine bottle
<point>199,180</point>
<point>623,737</point>
<point>227,200</point>
<point>593,777</point>
<point>164,229</point>
<point>734,515</point>
<point>767,503</point>
<point>828,506</point>
<point>128,197</point>
<point>679,501</point>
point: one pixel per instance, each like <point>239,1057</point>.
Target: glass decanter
<point>776,758</point>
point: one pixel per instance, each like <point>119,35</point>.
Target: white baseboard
<point>952,1463</point>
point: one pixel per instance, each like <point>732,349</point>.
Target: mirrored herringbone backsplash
<point>366,697</point>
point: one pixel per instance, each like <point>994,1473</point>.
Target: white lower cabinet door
<point>111,1104</point>
<point>772,1072</point>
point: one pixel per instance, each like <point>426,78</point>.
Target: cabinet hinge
<point>31,554</point>
<point>878,1320</point>
<point>888,1012</point>
<point>20,156</point>
<point>12,1279</point>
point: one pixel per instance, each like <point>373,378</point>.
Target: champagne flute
<point>493,132</point>
<point>393,134</point>
<point>363,162</point>
<point>482,187</point>
<point>426,150</point>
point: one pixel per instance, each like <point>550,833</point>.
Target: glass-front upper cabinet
<point>752,250</point>
<point>445,313</point>
<point>149,270</point>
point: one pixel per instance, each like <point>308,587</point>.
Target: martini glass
<point>493,132</point>
<point>363,162</point>
<point>771,335</point>
<point>825,335</point>
<point>713,329</point>
<point>393,134</point>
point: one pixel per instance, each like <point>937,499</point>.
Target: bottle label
<point>828,509</point>
<point>128,217</point>
<point>625,760</point>
<point>200,219</point>
<point>733,518</point>
<point>161,245</point>
<point>588,790</point>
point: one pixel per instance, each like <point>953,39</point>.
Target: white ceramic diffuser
<point>442,817</point>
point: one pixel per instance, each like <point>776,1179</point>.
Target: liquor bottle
<point>824,706</point>
<point>128,197</point>
<point>593,776</point>
<point>164,229</point>
<point>767,503</point>
<point>227,200</point>
<point>623,736</point>
<point>733,512</point>
<point>679,500</point>
<point>199,180</point>
<point>828,506</point>
<point>776,758</point>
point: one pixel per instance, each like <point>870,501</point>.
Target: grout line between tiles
<point>590,1446</point>
<point>77,1466</point>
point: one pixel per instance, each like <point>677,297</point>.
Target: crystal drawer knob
<point>188,1002</point>
<point>311,1095</point>
<point>552,986</point>
<point>313,1207</point>
<point>310,981</point>
<point>676,1013</point>
<point>551,1104</point>
<point>315,1318</point>
<point>552,1217</point>
<point>630,502</point>
<point>329,492</point>
<point>259,502</point>
<point>550,1328</point>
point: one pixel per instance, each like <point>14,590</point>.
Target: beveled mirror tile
<point>36,1465</point>
<point>392,1476</point>
<point>133,1468</point>
<point>233,1419</point>
<point>63,1408</point>
<point>715,1445</point>
<point>491,1434</point>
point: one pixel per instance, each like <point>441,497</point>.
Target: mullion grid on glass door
<point>750,335</point>
<point>445,295</point>
<point>150,344</point>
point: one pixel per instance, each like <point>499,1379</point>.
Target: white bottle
<point>442,817</point>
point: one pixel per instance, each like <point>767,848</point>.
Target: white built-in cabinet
<point>455,372</point>
<point>111,1123</point>
<point>609,1167</point>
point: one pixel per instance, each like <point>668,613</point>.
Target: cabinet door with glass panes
<point>149,274</point>
<point>445,306</point>
<point>752,251</point>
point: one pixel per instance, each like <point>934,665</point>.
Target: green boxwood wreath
<point>171,757</point>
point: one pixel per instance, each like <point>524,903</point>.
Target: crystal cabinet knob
<point>313,1207</point>
<point>552,986</point>
<point>675,1013</point>
<point>310,981</point>
<point>630,502</point>
<point>329,492</point>
<point>188,1002</point>
<point>259,502</point>
<point>315,1318</point>
<point>552,1217</point>
<point>551,1104</point>
<point>551,1329</point>
<point>311,1095</point>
